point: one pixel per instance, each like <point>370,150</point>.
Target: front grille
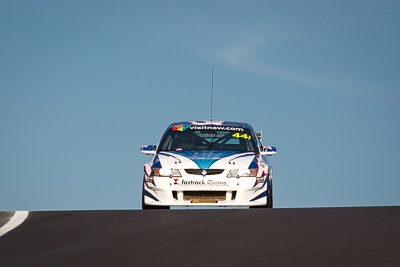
<point>204,195</point>
<point>201,171</point>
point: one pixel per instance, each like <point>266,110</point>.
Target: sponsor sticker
<point>203,201</point>
<point>245,136</point>
<point>180,128</point>
<point>216,128</point>
<point>200,183</point>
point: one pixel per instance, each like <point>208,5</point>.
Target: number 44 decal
<point>245,136</point>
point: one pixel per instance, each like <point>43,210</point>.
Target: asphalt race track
<point>363,236</point>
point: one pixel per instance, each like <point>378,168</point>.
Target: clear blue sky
<point>83,84</point>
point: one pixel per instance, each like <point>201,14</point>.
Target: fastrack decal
<point>217,183</point>
<point>202,182</point>
<point>193,182</point>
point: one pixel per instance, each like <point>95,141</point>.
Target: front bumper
<point>204,191</point>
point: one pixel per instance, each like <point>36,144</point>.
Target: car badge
<point>204,172</point>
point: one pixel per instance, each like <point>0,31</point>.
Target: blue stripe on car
<point>146,184</point>
<point>156,162</point>
<point>265,182</point>
<point>241,156</point>
<point>263,194</point>
<point>148,194</point>
<point>205,158</point>
<point>168,155</point>
<point>254,163</point>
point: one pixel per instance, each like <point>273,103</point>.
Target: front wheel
<point>269,196</point>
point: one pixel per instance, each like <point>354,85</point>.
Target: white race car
<point>208,163</point>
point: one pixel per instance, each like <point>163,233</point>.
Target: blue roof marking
<point>205,158</point>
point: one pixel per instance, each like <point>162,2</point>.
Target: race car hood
<point>207,159</point>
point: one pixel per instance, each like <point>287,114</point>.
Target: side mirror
<point>150,149</point>
<point>268,151</point>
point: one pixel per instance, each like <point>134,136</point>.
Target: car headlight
<point>166,172</point>
<point>234,173</point>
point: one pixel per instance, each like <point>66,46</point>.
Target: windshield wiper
<point>211,142</point>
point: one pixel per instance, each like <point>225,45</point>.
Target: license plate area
<point>204,196</point>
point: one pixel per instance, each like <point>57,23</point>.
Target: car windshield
<point>223,138</point>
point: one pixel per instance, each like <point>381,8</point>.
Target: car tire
<point>152,207</point>
<point>270,198</point>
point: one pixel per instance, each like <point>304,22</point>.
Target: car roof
<point>212,123</point>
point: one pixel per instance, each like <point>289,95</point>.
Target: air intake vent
<point>204,171</point>
<point>204,195</point>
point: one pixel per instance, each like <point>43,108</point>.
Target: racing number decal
<point>245,136</point>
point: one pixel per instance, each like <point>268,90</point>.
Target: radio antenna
<point>212,90</point>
